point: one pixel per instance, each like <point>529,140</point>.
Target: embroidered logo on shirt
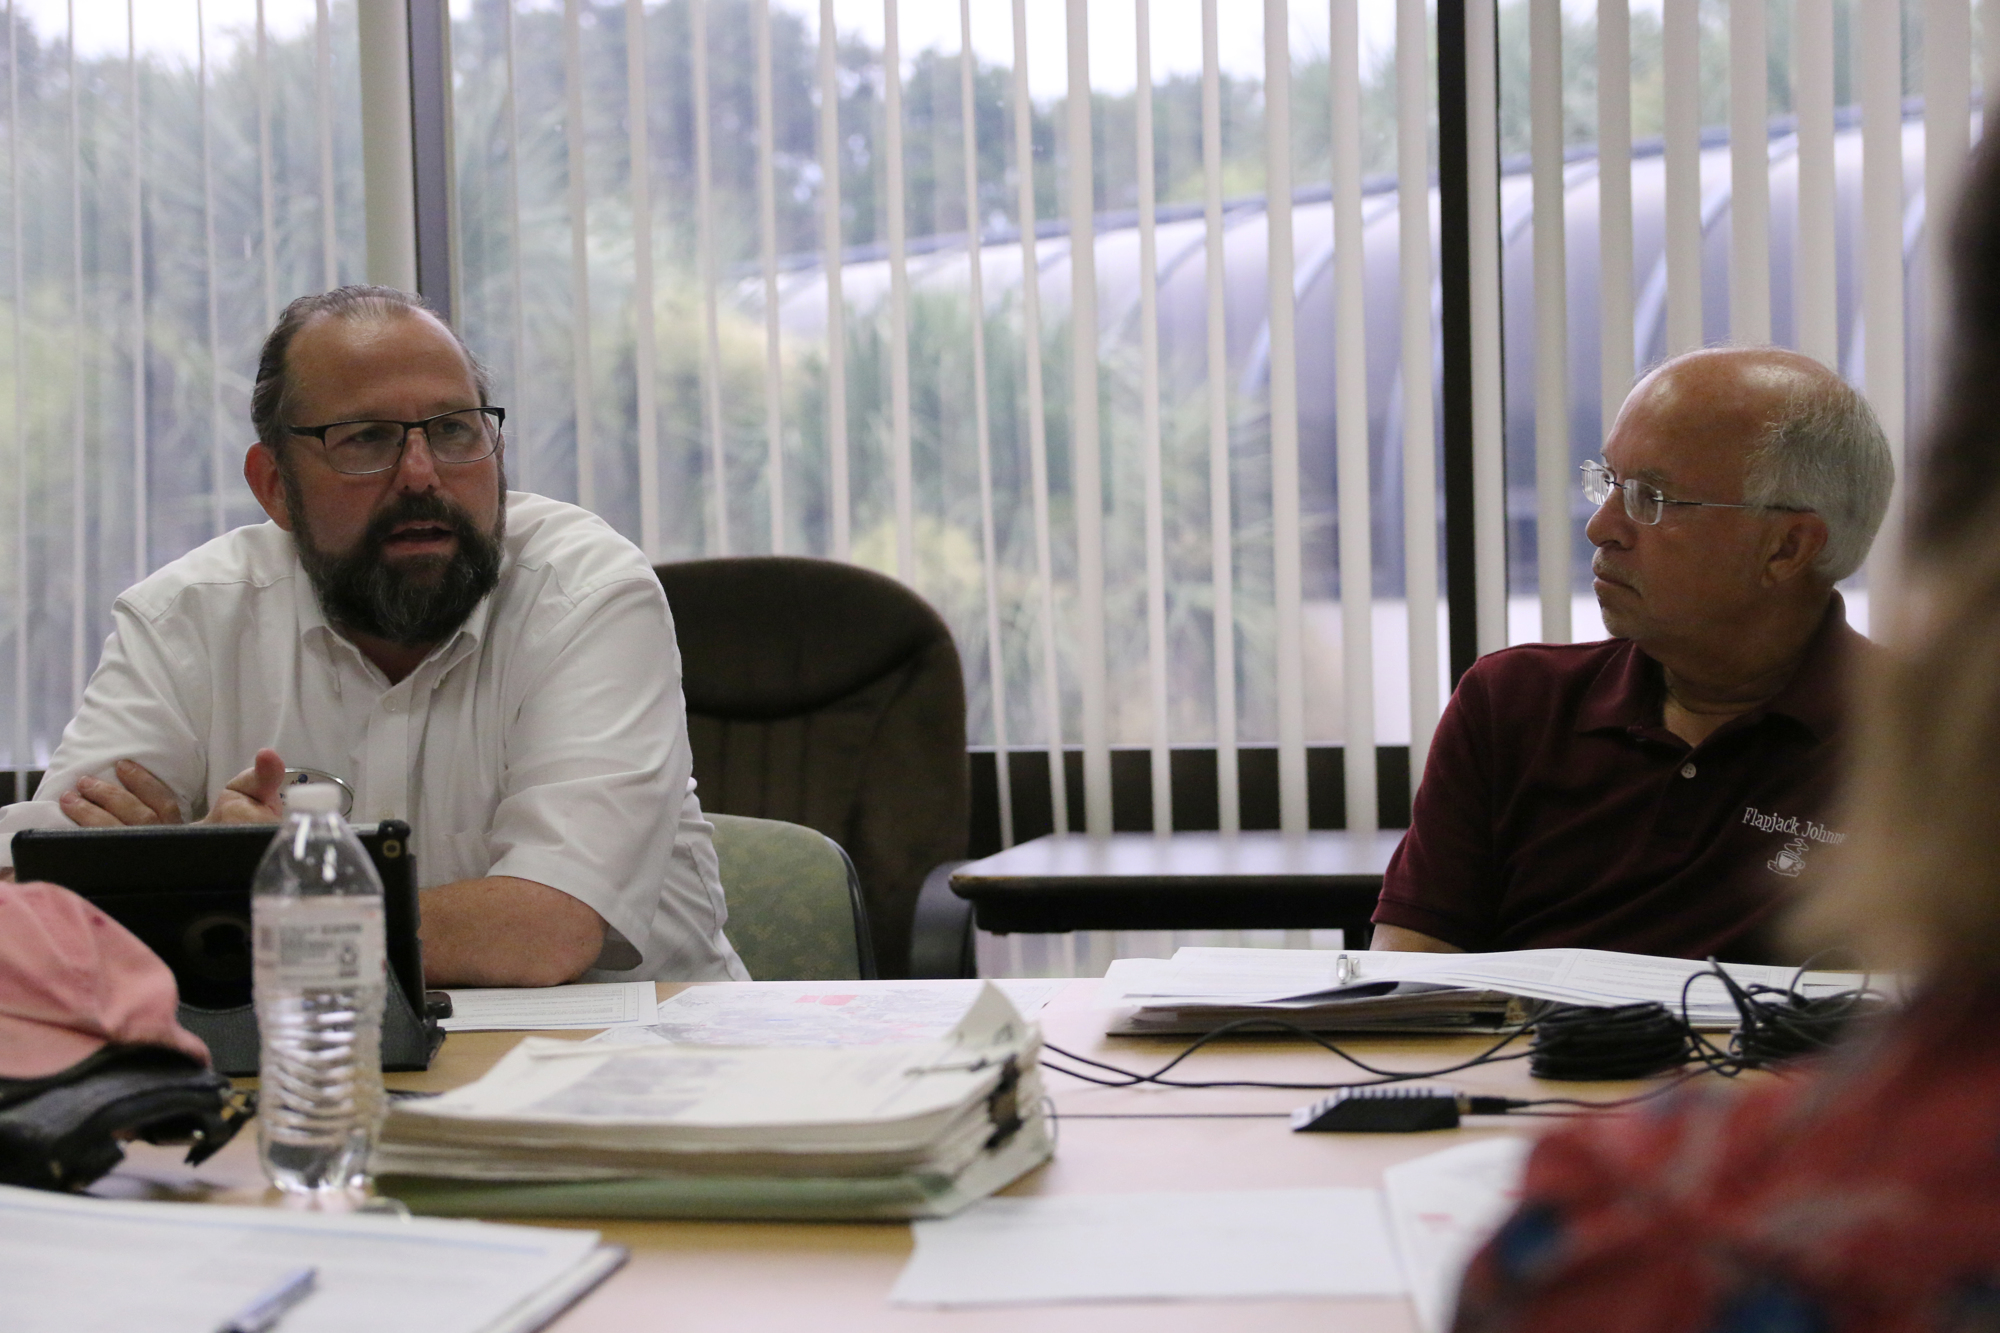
<point>1793,825</point>
<point>1791,860</point>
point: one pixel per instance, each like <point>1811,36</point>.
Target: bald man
<point>1663,791</point>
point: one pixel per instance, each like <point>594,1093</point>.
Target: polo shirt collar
<point>1628,692</point>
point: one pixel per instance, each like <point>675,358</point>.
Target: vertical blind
<point>1113,329</point>
<point>174,173</point>
<point>830,263</point>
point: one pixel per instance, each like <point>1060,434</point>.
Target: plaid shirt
<point>1864,1195</point>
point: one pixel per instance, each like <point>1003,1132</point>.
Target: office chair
<point>795,908</point>
<point>828,695</point>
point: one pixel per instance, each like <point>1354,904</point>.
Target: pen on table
<point>272,1305</point>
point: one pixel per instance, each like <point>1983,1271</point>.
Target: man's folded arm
<point>502,931</point>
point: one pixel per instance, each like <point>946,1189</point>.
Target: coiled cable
<point>1577,1044</point>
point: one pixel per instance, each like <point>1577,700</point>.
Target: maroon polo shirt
<point>1557,810</point>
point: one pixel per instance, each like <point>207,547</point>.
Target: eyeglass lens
<point>374,446</point>
<point>1642,502</point>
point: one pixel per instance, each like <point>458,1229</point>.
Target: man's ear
<point>1796,542</point>
<point>267,483</point>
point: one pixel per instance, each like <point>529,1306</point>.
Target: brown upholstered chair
<point>828,695</point>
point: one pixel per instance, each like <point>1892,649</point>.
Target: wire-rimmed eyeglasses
<point>1646,503</point>
<point>360,447</point>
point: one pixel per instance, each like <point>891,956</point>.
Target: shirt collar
<point>1628,692</point>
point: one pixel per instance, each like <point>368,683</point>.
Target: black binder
<point>184,889</point>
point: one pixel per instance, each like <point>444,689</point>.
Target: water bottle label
<point>335,941</point>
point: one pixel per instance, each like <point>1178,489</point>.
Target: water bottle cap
<point>313,798</point>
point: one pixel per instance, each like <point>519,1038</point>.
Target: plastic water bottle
<point>319,954</point>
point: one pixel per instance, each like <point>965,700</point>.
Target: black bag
<point>63,1131</point>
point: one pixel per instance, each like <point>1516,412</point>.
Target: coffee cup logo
<point>1791,859</point>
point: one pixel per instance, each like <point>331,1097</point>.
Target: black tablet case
<point>184,890</point>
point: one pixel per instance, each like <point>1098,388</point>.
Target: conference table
<point>1252,880</point>
<point>797,1277</point>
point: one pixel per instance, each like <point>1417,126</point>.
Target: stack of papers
<point>77,1265</point>
<point>559,1128</point>
<point>822,1013</point>
<point>1198,990</point>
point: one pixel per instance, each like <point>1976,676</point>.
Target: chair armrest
<point>941,931</point>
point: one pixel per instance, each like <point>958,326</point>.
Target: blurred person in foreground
<point>1863,1194</point>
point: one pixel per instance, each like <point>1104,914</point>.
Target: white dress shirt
<point>546,739</point>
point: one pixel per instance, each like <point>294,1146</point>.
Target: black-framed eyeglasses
<point>358,448</point>
<point>1646,503</point>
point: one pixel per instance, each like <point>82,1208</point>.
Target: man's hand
<point>252,796</point>
<point>136,798</point>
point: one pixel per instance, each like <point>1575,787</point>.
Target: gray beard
<point>412,603</point>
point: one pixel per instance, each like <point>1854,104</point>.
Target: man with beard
<point>497,668</point>
<point>1663,791</point>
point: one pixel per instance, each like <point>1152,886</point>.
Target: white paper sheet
<point>1442,1208</point>
<point>529,1009</point>
<point>823,1013</point>
<point>83,1265</point>
<point>1170,1246</point>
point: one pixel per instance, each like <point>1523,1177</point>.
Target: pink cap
<point>73,981</point>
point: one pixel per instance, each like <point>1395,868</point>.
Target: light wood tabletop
<point>733,1277</point>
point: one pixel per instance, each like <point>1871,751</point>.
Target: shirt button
<point>1687,770</point>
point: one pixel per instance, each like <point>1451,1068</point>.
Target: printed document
<point>73,1264</point>
<point>1443,1207</point>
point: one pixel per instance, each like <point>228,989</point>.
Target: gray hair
<point>1826,452</point>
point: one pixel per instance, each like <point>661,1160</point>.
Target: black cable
<point>1714,1059</point>
<point>1777,1025</point>
<point>1179,1115</point>
<point>1571,1043</point>
<point>1575,1043</point>
<point>1127,1078</point>
<point>1584,1106</point>
<point>1791,1025</point>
